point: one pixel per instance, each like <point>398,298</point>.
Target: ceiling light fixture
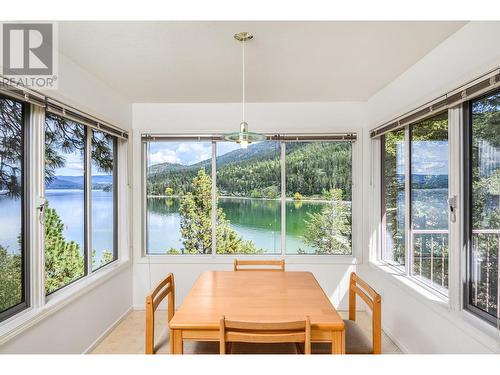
<point>244,137</point>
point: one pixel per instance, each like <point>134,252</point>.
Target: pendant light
<point>244,137</point>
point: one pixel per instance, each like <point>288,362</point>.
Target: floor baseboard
<point>107,331</point>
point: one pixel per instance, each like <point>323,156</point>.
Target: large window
<point>104,221</point>
<point>394,197</point>
<point>483,213</point>
<point>414,200</point>
<point>318,197</point>
<point>245,206</point>
<point>74,201</point>
<point>13,249</point>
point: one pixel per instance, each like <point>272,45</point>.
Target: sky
<point>74,166</point>
<point>186,153</point>
<point>428,157</point>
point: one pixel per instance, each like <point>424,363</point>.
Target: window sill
<point>19,323</point>
<point>479,330</point>
<point>229,259</point>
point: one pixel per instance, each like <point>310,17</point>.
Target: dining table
<point>255,296</point>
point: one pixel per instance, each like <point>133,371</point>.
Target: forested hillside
<point>311,170</point>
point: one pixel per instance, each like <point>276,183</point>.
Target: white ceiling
<point>286,61</point>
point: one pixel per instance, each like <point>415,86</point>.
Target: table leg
<point>176,345</point>
<point>338,342</point>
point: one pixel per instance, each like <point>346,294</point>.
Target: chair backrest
<point>249,265</point>
<point>359,287</point>
<point>265,332</point>
<point>165,288</point>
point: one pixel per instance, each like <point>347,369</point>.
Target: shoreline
<point>309,200</point>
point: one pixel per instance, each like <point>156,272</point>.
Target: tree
<point>63,260</point>
<point>329,231</point>
<point>10,279</point>
<point>196,222</point>
<point>298,197</point>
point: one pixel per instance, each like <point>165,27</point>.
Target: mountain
<point>313,168</point>
<point>255,152</point>
<point>76,182</point>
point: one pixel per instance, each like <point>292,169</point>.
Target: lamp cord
<point>243,79</point>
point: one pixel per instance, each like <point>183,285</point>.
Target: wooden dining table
<point>255,296</point>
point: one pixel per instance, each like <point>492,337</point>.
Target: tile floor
<point>128,336</point>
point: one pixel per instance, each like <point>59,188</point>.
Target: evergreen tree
<point>63,260</point>
<point>196,223</point>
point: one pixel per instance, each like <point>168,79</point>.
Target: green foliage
<point>10,279</point>
<point>329,231</point>
<point>311,167</point>
<point>64,262</point>
<point>298,197</point>
<point>168,191</point>
<point>196,223</point>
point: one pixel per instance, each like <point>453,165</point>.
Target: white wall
<point>417,323</point>
<point>75,327</point>
<point>225,117</point>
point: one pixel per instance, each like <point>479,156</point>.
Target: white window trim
<point>450,307</point>
<point>41,305</point>
<point>140,256</point>
<point>454,122</point>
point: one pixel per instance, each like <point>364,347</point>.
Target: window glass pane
<point>318,197</point>
<point>248,202</point>
<point>11,204</point>
<point>485,220</point>
<point>103,207</point>
<point>429,200</point>
<point>179,197</point>
<point>393,197</point>
<point>65,194</point>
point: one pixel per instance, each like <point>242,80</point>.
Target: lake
<point>69,205</point>
<point>253,219</point>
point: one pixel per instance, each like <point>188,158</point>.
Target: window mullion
<point>214,198</point>
<point>283,198</point>
<point>408,226</point>
<point>88,201</point>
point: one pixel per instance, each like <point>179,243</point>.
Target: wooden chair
<point>165,288</point>
<point>265,333</point>
<point>356,341</point>
<point>245,263</point>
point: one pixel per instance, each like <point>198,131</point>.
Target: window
<point>246,206</point>
<point>179,197</point>
<point>65,254</point>
<point>13,249</point>
<point>394,197</point>
<point>318,197</point>
<point>104,241</point>
<point>249,196</point>
<point>414,200</point>
<point>482,136</point>
<point>67,234</point>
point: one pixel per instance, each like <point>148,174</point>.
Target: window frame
<point>115,205</point>
<point>467,137</point>
<point>356,195</point>
<point>87,235</point>
<point>406,269</point>
<point>25,207</point>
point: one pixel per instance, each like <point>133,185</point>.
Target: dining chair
<point>249,265</point>
<point>356,341</point>
<point>165,288</point>
<point>264,333</point>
